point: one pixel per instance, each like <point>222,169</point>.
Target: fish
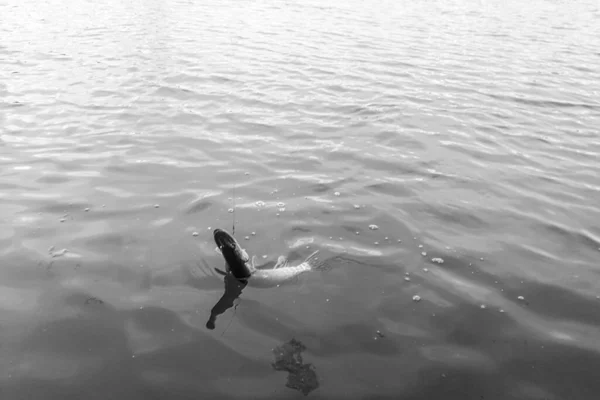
<point>242,267</point>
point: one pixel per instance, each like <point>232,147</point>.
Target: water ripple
<point>466,133</point>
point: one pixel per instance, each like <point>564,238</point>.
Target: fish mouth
<point>234,255</point>
<point>224,239</point>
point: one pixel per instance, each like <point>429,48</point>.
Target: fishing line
<point>233,233</point>
<point>233,224</point>
<point>231,319</point>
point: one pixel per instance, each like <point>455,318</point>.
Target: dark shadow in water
<point>233,290</point>
<point>301,376</point>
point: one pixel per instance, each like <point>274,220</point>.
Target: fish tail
<point>313,261</point>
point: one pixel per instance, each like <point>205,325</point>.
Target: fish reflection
<point>233,290</point>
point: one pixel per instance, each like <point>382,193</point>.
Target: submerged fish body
<point>242,268</point>
<point>281,274</point>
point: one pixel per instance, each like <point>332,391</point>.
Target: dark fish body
<point>238,261</point>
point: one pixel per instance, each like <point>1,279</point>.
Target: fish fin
<point>220,271</point>
<point>281,262</point>
<point>313,261</point>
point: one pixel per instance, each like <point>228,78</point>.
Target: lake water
<point>443,149</point>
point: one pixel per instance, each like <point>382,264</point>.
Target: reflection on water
<point>233,290</point>
<point>465,132</point>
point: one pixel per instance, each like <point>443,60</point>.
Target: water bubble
<point>376,243</point>
<point>424,254</point>
<point>87,209</point>
<point>357,206</point>
<point>209,228</point>
<point>253,233</point>
<point>260,203</point>
<point>437,260</point>
<point>58,253</point>
<point>420,246</point>
<point>247,237</point>
<point>264,256</point>
<point>336,193</point>
<point>195,233</point>
<point>373,227</point>
<point>281,204</point>
<point>481,258</point>
<point>425,270</point>
<point>483,306</point>
<point>156,205</point>
<point>416,298</point>
<point>282,209</point>
<point>246,173</point>
<point>399,241</point>
<point>521,298</point>
<point>357,232</point>
<point>501,310</point>
<point>230,210</point>
<point>407,279</point>
<point>277,215</point>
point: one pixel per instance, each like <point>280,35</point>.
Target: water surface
<point>467,132</point>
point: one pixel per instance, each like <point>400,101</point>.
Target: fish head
<point>237,259</point>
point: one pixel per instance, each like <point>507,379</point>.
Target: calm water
<point>466,131</point>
